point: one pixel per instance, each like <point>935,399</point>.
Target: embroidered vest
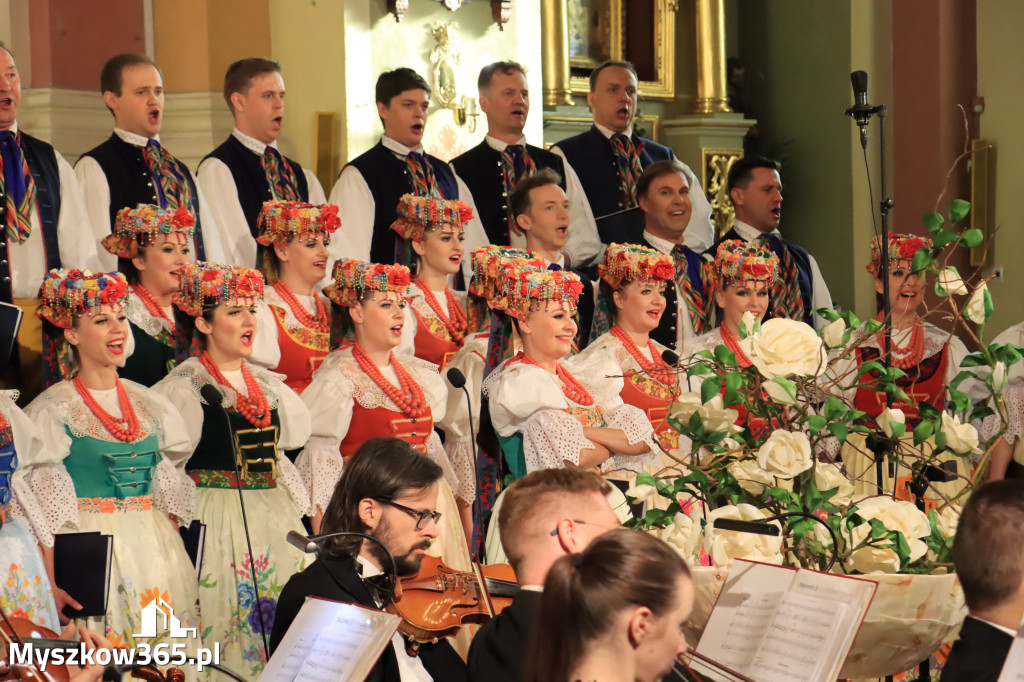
<point>924,383</point>
<point>302,351</point>
<point>255,450</point>
<point>102,468</point>
<point>380,421</point>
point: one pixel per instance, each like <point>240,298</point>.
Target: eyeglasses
<point>422,517</point>
<point>585,523</point>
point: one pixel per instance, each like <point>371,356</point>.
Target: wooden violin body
<point>18,630</point>
<point>437,601</point>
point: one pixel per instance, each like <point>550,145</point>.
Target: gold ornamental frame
<point>662,44</point>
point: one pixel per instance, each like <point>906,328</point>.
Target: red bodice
<point>380,421</point>
<point>924,383</point>
<point>302,351</point>
<point>431,347</point>
<point>655,406</point>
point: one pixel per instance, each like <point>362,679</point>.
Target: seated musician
<point>388,491</point>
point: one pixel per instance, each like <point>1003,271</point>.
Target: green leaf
<point>981,412</point>
<point>827,314</point>
<point>834,408</point>
<point>928,411</point>
<point>733,383</point>
<point>646,479</point>
<point>700,369</point>
<point>725,356</point>
<point>974,360</point>
<point>972,238</point>
<point>961,377</point>
<point>958,209</point>
<point>852,321</point>
<point>838,430</point>
<point>872,366</point>
<point>934,222</point>
<point>872,326</point>
<point>944,237</point>
<point>788,386</point>
<point>922,431</point>
<point>815,423</point>
<point>709,389</point>
<point>922,259</point>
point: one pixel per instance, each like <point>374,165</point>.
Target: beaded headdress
<point>201,284</point>
<point>737,260</point>
<point>351,277</point>
<point>901,247</point>
<point>79,292</point>
<point>519,287</point>
<point>149,220</point>
<point>633,263</point>
<point>279,221</point>
<point>487,262</point>
<point>418,214</point>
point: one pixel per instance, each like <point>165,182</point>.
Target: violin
<point>437,601</point>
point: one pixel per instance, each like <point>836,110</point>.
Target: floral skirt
<point>232,608</point>
<point>450,545</point>
<point>25,591</point>
<point>149,563</point>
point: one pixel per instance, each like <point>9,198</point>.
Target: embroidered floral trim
<point>588,416</point>
<point>157,327</point>
<point>368,394</point>
<point>194,371</point>
<point>212,478</point>
<point>84,424</point>
<point>300,334</point>
<point>114,505</point>
<point>5,512</point>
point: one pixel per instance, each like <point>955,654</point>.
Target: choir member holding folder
<point>105,463</point>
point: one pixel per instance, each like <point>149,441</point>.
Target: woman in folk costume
<point>471,360</point>
<point>632,290</point>
<point>294,322</point>
<point>545,414</point>
<point>110,462</point>
<point>26,591</point>
<point>365,390</point>
<point>152,246</point>
<point>929,356</point>
<point>265,418</point>
<point>435,230</point>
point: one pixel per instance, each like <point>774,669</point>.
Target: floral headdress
<point>200,284</point>
<point>901,247</point>
<point>79,292</point>
<point>351,277</point>
<point>487,262</point>
<point>737,260</point>
<point>279,221</point>
<point>521,286</point>
<point>418,214</point>
<point>633,263</point>
<point>146,219</point>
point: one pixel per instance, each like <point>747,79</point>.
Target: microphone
<point>311,545</point>
<point>213,396</point>
<point>861,111</point>
<point>756,527</point>
<point>301,542</point>
<point>456,378</point>
<point>670,357</point>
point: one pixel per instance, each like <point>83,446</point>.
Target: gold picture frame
<point>601,29</point>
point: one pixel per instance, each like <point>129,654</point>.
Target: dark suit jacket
<point>978,655</point>
<point>337,579</point>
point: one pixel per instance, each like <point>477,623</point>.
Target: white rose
<point>947,520</point>
<point>778,394</point>
<point>893,422</point>
<point>833,333</point>
<point>960,438</point>
<point>975,310</point>
<point>899,515</point>
<point>870,559</point>
<point>713,414</point>
<point>950,282</point>
<point>683,534</point>
<point>641,493</point>
<point>785,454</point>
<point>725,545</point>
<point>785,348</point>
<point>999,376</point>
<point>750,476</point>
<point>828,476</point>
<point>747,322</point>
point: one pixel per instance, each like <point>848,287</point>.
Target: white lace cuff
<point>462,456</point>
<point>435,451</point>
<point>320,467</point>
<point>632,421</point>
<point>55,493</point>
<point>551,438</point>
<point>174,493</point>
<point>290,478</point>
<point>24,506</point>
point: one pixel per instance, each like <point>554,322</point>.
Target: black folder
<point>194,538</point>
<point>10,323</point>
<point>623,227</point>
<point>81,566</point>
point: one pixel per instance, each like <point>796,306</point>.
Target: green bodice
<point>102,468</point>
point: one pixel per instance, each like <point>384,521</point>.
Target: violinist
<point>388,491</point>
<point>545,515</point>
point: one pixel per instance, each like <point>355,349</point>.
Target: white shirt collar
<point>560,262</point>
<point>369,570</point>
<point>750,233</point>
<point>251,143</point>
<point>397,147</point>
<point>499,146</point>
<point>1011,633</point>
<point>531,588</point>
<point>662,245</point>
<point>132,138</point>
<point>14,128</point>
<point>608,132</point>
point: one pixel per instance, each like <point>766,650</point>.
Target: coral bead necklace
<point>318,322</point>
<point>455,322</point>
<point>571,387</point>
<point>126,429</point>
<point>910,354</point>
<point>254,406</point>
<point>148,300</point>
<point>733,344</point>
<point>407,396</point>
<point>657,369</point>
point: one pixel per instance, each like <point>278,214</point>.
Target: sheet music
<point>330,642</point>
<point>802,630</point>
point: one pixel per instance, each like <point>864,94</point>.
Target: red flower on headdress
<point>378,269</point>
<point>662,270</point>
<point>756,270</point>
<point>113,291</point>
<point>398,277</point>
<point>329,217</point>
<point>908,247</point>
<point>574,287</point>
<point>182,217</point>
<point>210,275</point>
<point>465,213</point>
<point>250,283</point>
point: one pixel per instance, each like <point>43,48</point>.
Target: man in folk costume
<point>293,328</point>
<point>492,168</point>
<point>664,195</point>
<point>610,156</point>
<point>247,169</point>
<point>370,186</point>
<point>755,189</point>
<point>131,167</point>
<point>45,227</point>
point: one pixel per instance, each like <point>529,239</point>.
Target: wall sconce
<point>445,57</point>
